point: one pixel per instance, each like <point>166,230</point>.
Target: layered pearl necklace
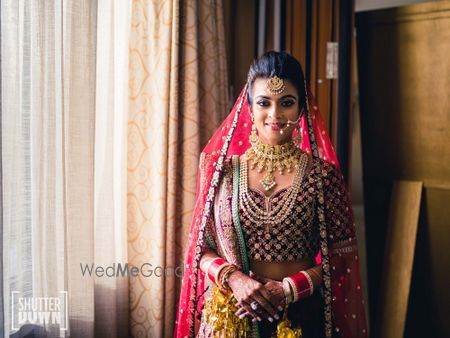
<point>284,207</point>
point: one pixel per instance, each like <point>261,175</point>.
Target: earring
<point>253,137</point>
<point>298,135</point>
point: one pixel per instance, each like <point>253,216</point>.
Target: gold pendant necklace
<point>268,158</point>
<point>268,182</point>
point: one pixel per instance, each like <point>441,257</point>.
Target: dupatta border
<point>206,214</point>
<point>346,246</point>
<point>326,271</point>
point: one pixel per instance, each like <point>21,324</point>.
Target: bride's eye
<point>263,103</point>
<point>287,103</point>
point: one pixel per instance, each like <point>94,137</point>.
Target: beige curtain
<point>177,97</point>
<point>64,103</point>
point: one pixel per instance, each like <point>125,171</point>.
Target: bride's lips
<point>275,126</point>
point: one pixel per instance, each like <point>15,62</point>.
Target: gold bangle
<point>223,278</point>
<point>219,270</point>
<point>221,274</point>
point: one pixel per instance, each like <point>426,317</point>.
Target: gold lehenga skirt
<point>306,314</point>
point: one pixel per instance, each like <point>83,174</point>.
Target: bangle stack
<point>297,287</point>
<point>222,282</point>
<point>219,270</point>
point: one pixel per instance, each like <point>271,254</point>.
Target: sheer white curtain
<point>33,128</point>
<point>110,237</point>
<point>63,146</point>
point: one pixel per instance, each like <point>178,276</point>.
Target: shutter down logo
<point>42,311</point>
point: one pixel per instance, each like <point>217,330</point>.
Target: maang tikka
<point>275,85</point>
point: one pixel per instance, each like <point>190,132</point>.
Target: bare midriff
<point>279,270</point>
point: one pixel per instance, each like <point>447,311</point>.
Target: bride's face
<point>271,112</point>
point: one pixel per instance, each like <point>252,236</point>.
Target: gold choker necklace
<point>268,158</point>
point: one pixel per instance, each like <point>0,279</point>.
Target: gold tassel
<point>284,329</point>
<point>220,310</point>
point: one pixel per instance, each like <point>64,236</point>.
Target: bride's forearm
<point>316,275</point>
<point>207,258</point>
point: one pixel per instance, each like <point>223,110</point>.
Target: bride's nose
<point>275,112</point>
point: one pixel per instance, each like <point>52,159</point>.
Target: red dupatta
<point>343,305</point>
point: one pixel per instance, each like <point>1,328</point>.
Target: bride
<point>272,247</point>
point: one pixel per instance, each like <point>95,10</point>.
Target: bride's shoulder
<point>321,167</point>
<point>319,162</point>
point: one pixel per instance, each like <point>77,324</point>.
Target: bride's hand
<point>247,290</point>
<point>275,288</point>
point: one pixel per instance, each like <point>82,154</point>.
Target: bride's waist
<point>279,270</point>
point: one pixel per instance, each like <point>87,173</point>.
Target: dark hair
<point>281,64</point>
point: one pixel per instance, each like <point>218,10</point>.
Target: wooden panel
<point>404,84</point>
<point>405,90</point>
<point>438,224</point>
<point>333,125</point>
<point>269,25</point>
<point>309,45</point>
<point>399,255</point>
<point>240,25</point>
<point>313,48</point>
<point>429,305</point>
<point>324,34</point>
<point>296,12</point>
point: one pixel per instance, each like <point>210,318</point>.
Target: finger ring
<point>254,305</point>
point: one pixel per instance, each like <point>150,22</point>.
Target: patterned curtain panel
<point>177,97</point>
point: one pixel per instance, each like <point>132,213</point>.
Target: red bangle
<point>215,267</point>
<point>303,284</point>
<point>310,282</point>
